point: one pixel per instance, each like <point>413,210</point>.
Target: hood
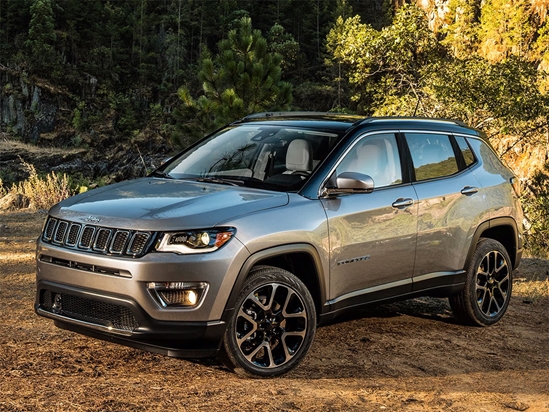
<point>165,204</point>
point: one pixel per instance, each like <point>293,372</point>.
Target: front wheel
<point>487,292</point>
<point>273,325</point>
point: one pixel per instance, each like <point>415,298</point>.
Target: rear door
<point>450,201</point>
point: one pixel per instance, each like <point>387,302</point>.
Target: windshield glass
<point>271,157</point>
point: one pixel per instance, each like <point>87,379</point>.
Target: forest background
<point>121,84</point>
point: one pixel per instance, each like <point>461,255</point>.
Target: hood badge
<point>92,219</point>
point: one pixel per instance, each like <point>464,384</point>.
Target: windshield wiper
<point>158,173</point>
<point>231,182</point>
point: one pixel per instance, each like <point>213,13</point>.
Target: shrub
<point>42,192</point>
<point>536,210</point>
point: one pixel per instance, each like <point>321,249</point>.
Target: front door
<point>372,235</point>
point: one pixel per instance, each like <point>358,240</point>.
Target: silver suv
<point>243,243</point>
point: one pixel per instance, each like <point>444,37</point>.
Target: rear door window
<point>432,155</point>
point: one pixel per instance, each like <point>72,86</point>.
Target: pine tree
<point>243,78</point>
<point>42,37</point>
<point>505,29</point>
<point>461,28</point>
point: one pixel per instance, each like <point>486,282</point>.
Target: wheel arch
<point>302,260</point>
<point>505,231</point>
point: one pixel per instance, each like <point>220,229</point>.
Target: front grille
<point>99,313</point>
<point>96,239</point>
<point>72,236</point>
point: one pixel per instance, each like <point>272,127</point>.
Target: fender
<point>270,253</point>
<point>515,254</point>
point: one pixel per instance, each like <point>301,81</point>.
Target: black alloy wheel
<point>488,288</point>
<point>273,325</point>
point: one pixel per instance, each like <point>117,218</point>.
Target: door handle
<point>403,202</point>
<point>469,190</point>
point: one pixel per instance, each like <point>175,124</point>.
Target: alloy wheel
<point>271,325</point>
<point>492,284</point>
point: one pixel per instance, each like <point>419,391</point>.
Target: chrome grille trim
<point>96,239</point>
<point>138,242</point>
<point>72,237</point>
<point>119,241</point>
<point>49,229</point>
<point>87,236</point>
<point>102,240</point>
<point>60,232</point>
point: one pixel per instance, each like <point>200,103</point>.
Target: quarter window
<point>432,155</point>
<point>466,151</point>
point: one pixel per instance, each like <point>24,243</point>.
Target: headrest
<point>299,156</point>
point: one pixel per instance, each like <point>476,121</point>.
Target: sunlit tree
<point>505,29</point>
<point>460,30</point>
<point>387,65</point>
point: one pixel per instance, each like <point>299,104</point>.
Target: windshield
<point>270,157</point>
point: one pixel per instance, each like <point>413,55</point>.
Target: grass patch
<point>40,192</point>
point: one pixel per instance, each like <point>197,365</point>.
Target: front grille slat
<point>87,237</point>
<point>119,241</point>
<point>72,237</point>
<point>102,239</point>
<point>138,243</point>
<point>60,232</point>
<point>49,229</point>
<point>96,239</point>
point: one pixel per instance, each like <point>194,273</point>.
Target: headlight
<point>194,241</point>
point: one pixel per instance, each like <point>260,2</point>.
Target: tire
<point>488,286</point>
<point>273,324</point>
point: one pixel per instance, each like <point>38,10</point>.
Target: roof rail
<point>294,114</point>
<point>413,119</point>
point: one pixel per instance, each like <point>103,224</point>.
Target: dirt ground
<point>409,356</point>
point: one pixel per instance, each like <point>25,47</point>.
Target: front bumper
<point>107,297</point>
<point>121,320</point>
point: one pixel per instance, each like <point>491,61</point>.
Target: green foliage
<point>461,30</point>
<point>536,209</point>
<point>505,29</point>
<point>78,118</point>
<point>505,94</point>
<point>126,114</point>
<point>41,35</point>
<point>388,64</point>
<point>284,44</point>
<point>243,78</point>
<point>404,70</point>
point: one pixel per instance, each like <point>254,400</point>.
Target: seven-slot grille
<point>97,239</point>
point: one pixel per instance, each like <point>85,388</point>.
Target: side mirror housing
<point>349,182</point>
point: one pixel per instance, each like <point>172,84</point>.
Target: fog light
<point>57,305</point>
<point>178,294</point>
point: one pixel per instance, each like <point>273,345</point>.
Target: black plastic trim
<point>270,253</point>
<point>177,339</point>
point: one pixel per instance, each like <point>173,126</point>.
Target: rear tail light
<point>516,185</point>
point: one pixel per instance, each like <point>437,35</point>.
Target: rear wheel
<point>273,325</point>
<point>487,292</point>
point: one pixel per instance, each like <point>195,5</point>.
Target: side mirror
<point>349,182</point>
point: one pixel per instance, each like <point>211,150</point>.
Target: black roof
<point>339,122</point>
